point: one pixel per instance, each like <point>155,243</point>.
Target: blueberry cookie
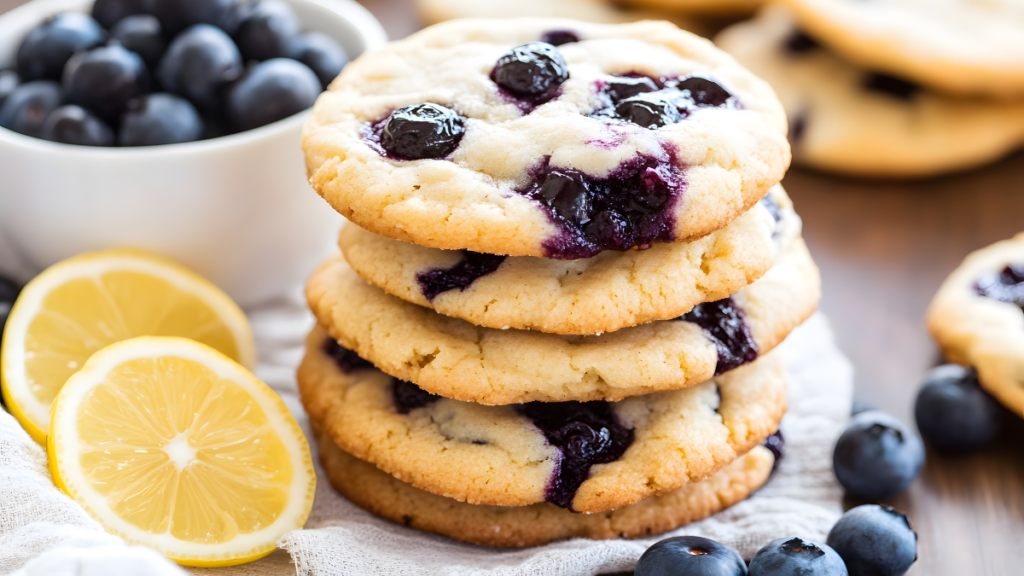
<point>456,359</point>
<point>850,120</point>
<point>604,293</point>
<point>484,135</point>
<point>966,47</point>
<point>977,317</point>
<point>390,498</point>
<point>583,456</point>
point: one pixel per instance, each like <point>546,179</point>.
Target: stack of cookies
<point>568,262</point>
<point>891,88</point>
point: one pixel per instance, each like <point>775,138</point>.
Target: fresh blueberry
<point>161,118</point>
<point>796,557</point>
<point>703,91</point>
<point>73,124</point>
<point>266,30</point>
<point>199,64</point>
<point>321,53</point>
<point>618,88</point>
<point>27,107</point>
<point>650,110</point>
<point>9,81</point>
<point>877,457</point>
<point>533,71</point>
<point>110,12</point>
<point>953,413</point>
<point>690,556</point>
<point>874,541</point>
<point>270,91</point>
<point>177,15</point>
<point>105,79</point>
<point>141,34</point>
<point>47,48</point>
<point>422,131</point>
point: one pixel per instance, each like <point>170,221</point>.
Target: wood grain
<point>884,248</point>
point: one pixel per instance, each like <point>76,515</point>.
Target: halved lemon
<point>172,445</point>
<point>87,302</point>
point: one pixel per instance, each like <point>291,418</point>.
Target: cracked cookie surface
<point>390,498</point>
<point>610,291</point>
<point>500,455</point>
<point>456,359</point>
<point>538,175</point>
<point>977,317</point>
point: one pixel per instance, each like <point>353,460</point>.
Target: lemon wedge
<point>172,445</point>
<point>87,302</point>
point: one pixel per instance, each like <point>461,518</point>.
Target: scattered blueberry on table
<point>953,413</point>
<point>877,457</point>
<point>796,557</point>
<point>874,541</point>
<point>690,556</point>
<point>215,67</point>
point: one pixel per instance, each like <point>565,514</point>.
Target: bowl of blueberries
<point>172,126</point>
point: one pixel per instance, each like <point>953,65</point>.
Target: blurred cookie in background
<point>703,7</point>
<point>602,11</point>
<point>851,120</point>
<point>966,47</point>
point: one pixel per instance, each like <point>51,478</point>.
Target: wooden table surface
<point>883,248</point>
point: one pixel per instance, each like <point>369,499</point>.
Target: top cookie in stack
<point>570,240</point>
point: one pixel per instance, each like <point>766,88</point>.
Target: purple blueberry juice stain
<point>776,444</point>
<point>632,207</point>
<point>408,396</point>
<point>471,267</point>
<point>586,433</point>
<point>559,37</point>
<point>724,323</point>
<point>347,360</point>
<point>1006,285</point>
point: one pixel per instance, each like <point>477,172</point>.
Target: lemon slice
<point>85,303</point>
<point>172,445</point>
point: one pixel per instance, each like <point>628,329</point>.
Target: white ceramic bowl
<point>236,209</point>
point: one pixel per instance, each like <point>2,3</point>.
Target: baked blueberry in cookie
<point>346,359</point>
<point>559,37</point>
<point>631,207</point>
<point>776,443</point>
<point>891,85</point>
<point>723,322</point>
<point>586,433</point>
<point>531,73</point>
<point>472,266</point>
<point>1006,285</point>
<point>421,131</point>
<point>408,396</point>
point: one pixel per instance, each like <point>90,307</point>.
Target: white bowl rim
<point>356,14</point>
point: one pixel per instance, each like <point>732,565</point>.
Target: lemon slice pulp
<point>85,303</point>
<point>170,444</point>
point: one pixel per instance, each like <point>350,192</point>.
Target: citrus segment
<point>85,303</point>
<point>170,444</point>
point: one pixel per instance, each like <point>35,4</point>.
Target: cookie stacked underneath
<point>569,261</point>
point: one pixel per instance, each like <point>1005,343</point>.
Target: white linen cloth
<point>42,532</point>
